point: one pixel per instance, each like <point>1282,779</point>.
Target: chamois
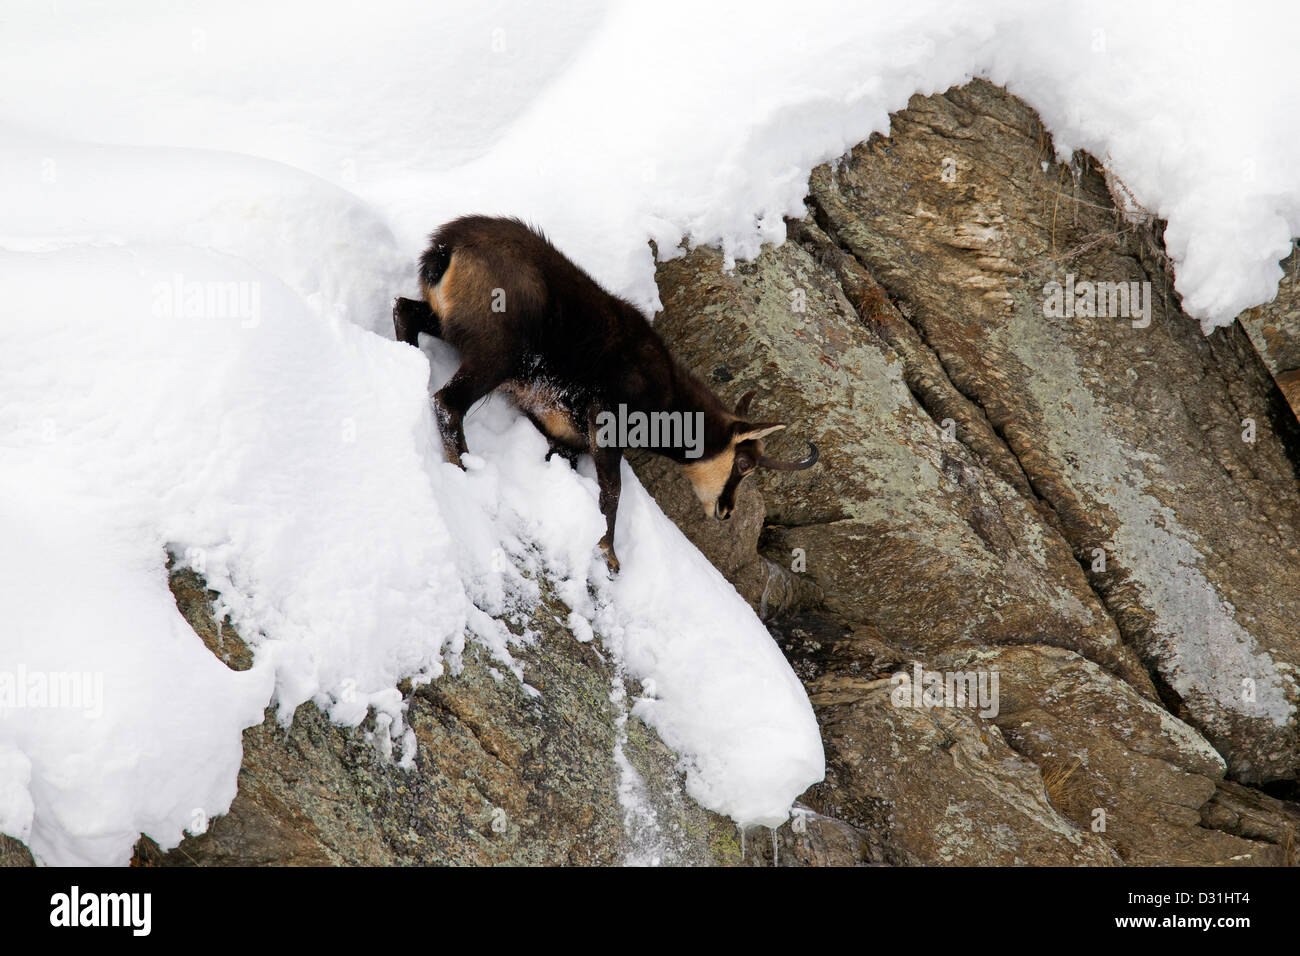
<point>527,320</point>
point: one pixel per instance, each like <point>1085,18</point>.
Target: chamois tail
<point>411,317</point>
<point>434,263</point>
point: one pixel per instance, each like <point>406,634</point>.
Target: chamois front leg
<point>453,400</point>
<point>609,465</point>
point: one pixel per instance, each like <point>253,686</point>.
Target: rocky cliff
<point>1099,509</point>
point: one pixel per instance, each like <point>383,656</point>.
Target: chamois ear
<point>744,431</point>
<point>742,406</point>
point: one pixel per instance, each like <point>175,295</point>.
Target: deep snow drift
<point>205,213</point>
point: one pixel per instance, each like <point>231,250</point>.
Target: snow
<point>1187,104</point>
<point>206,211</point>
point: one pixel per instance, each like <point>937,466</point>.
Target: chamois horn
<point>800,465</point>
<point>742,408</point>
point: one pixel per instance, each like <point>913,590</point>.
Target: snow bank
<point>609,123</point>
<point>205,212</point>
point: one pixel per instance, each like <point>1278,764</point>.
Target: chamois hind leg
<point>609,477</point>
<point>413,316</point>
<point>453,400</point>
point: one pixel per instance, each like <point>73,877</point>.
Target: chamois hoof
<point>611,559</point>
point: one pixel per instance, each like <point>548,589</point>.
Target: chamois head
<point>716,477</point>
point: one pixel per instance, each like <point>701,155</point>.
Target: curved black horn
<point>800,465</point>
<point>742,406</point>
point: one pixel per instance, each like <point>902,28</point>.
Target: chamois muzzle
<point>800,465</point>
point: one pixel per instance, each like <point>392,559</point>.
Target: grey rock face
<point>1133,436</point>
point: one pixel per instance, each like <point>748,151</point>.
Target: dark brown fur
<point>526,320</point>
